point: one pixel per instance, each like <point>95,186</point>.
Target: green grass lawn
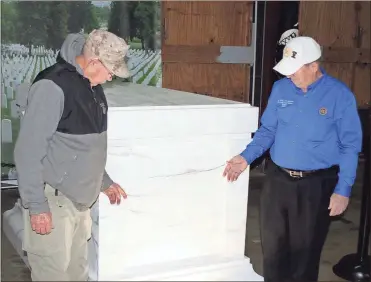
<point>135,45</point>
<point>156,77</point>
<point>147,73</point>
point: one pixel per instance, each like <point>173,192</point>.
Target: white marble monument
<point>182,220</point>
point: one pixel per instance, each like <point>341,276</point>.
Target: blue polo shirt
<point>312,130</point>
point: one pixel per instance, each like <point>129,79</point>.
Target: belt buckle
<point>296,174</point>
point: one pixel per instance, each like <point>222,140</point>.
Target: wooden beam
<point>208,54</point>
<point>190,54</point>
<point>346,55</point>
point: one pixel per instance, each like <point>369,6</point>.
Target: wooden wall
<point>193,33</point>
<point>343,29</point>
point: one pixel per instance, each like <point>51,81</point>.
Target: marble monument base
<point>201,269</point>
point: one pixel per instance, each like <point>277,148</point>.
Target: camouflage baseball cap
<point>110,50</point>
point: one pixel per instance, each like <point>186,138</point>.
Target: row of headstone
<point>137,55</point>
<point>14,73</point>
<point>18,69</point>
<point>153,72</point>
<point>146,67</point>
<point>138,76</point>
<point>21,69</point>
<point>12,174</point>
<point>14,48</point>
<point>135,60</point>
<point>26,72</point>
<point>9,92</point>
<point>14,112</point>
<point>19,59</point>
<point>142,64</point>
<point>4,101</point>
<point>30,70</point>
<point>17,62</point>
<point>21,49</point>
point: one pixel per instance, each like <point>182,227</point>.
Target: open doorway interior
<point>277,24</point>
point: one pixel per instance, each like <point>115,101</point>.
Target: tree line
<point>44,23</point>
<point>136,19</point>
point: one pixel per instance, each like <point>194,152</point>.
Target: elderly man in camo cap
<point>61,151</point>
<point>109,49</point>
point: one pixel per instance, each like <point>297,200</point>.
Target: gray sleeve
<point>40,121</point>
<point>107,181</point>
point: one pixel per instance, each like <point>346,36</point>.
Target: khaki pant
<point>61,255</point>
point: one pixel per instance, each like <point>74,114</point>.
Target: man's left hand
<point>338,204</point>
<point>114,193</point>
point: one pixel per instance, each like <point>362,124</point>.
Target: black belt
<point>304,173</point>
<point>56,192</point>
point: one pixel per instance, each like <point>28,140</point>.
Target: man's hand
<point>114,193</point>
<point>338,204</point>
<point>234,168</point>
<point>41,223</point>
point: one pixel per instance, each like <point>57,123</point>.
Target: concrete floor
<point>341,240</point>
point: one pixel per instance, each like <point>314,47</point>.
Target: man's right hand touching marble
<point>114,193</point>
<point>235,167</point>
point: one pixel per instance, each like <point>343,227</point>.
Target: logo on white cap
<point>299,51</point>
<point>288,52</point>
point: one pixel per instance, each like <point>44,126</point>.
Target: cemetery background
<point>32,33</point>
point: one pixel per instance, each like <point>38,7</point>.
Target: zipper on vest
<point>98,109</point>
<point>92,91</point>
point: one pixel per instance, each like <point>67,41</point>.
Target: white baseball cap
<point>299,51</point>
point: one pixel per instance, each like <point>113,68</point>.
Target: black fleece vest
<point>85,107</point>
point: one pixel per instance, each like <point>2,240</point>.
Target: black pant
<point>294,224</point>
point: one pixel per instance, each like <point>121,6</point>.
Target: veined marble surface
<point>182,220</point>
<point>179,207</point>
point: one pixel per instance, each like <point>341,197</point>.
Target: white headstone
<point>9,92</point>
<point>4,101</point>
<point>12,174</point>
<point>14,109</point>
<point>6,131</point>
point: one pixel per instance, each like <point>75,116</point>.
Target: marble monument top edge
<point>131,95</point>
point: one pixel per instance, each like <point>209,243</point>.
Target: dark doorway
<point>280,22</point>
<point>277,23</point>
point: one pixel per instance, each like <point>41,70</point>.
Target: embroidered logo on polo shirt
<point>322,111</point>
<point>284,103</point>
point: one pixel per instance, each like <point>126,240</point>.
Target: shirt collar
<point>314,84</point>
<point>318,81</point>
